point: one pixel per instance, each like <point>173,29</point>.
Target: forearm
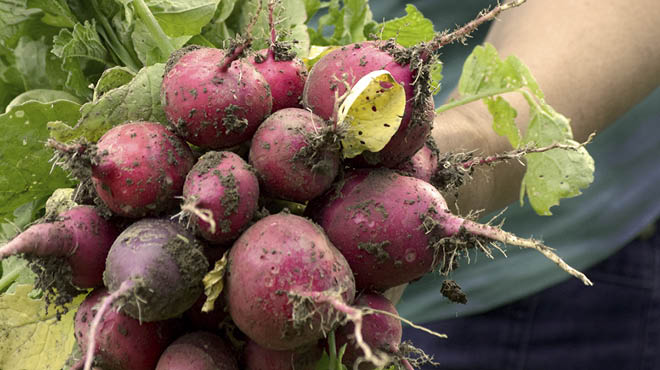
<point>593,62</point>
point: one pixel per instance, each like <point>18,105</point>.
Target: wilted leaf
<point>214,283</point>
<point>372,112</point>
<point>32,339</point>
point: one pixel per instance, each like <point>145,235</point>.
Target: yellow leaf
<point>214,283</point>
<point>372,113</point>
<point>316,53</point>
<point>30,339</point>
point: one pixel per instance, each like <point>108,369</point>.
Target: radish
<point>81,237</point>
<point>342,68</point>
<point>393,229</point>
<point>423,164</point>
<point>257,357</point>
<point>275,265</point>
<point>285,73</point>
<point>214,99</point>
<point>379,331</point>
<point>198,350</point>
<point>124,343</point>
<point>222,194</point>
<point>139,168</point>
<point>292,157</point>
<point>155,269</point>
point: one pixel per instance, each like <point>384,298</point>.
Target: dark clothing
<point>613,325</point>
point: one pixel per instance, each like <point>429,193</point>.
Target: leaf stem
<point>162,40</point>
<point>10,278</point>
<point>115,45</point>
<point>470,98</point>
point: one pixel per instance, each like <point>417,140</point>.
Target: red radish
<point>198,351</point>
<point>393,229</point>
<point>343,67</point>
<point>123,342</point>
<point>224,184</point>
<point>284,72</point>
<point>214,99</point>
<point>275,260</point>
<point>139,168</point>
<point>257,357</point>
<point>80,236</point>
<point>423,164</point>
<point>379,331</point>
<point>290,156</point>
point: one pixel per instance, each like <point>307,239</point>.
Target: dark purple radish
<point>123,343</point>
<point>256,357</point>
<point>154,269</point>
<point>80,236</point>
<point>393,229</point>
<point>343,67</point>
<point>214,99</point>
<point>158,266</point>
<point>285,73</point>
<point>274,267</point>
<point>139,168</point>
<point>292,158</point>
<point>423,164</point>
<point>198,351</point>
<point>379,331</point>
<point>223,184</point>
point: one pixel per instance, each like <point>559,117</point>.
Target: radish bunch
<point>164,216</point>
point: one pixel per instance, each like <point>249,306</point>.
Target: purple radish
<point>155,269</point>
<point>223,184</point>
<point>214,99</point>
<point>290,156</point>
<point>139,168</point>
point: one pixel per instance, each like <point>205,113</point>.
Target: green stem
<point>470,98</point>
<point>108,33</point>
<point>9,279</point>
<point>333,351</point>
<point>157,33</point>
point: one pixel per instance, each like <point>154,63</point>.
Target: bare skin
<point>594,61</point>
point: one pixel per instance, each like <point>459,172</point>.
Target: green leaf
<point>25,173</point>
<point>557,173</point>
<point>551,175</point>
<point>15,271</point>
<point>32,339</point>
<point>57,12</point>
<point>112,78</point>
<point>138,100</point>
<point>290,16</point>
<point>347,22</point>
<point>13,15</point>
<point>504,119</point>
<point>146,48</point>
<point>183,17</point>
<point>82,42</point>
<point>410,29</point>
<point>42,95</point>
